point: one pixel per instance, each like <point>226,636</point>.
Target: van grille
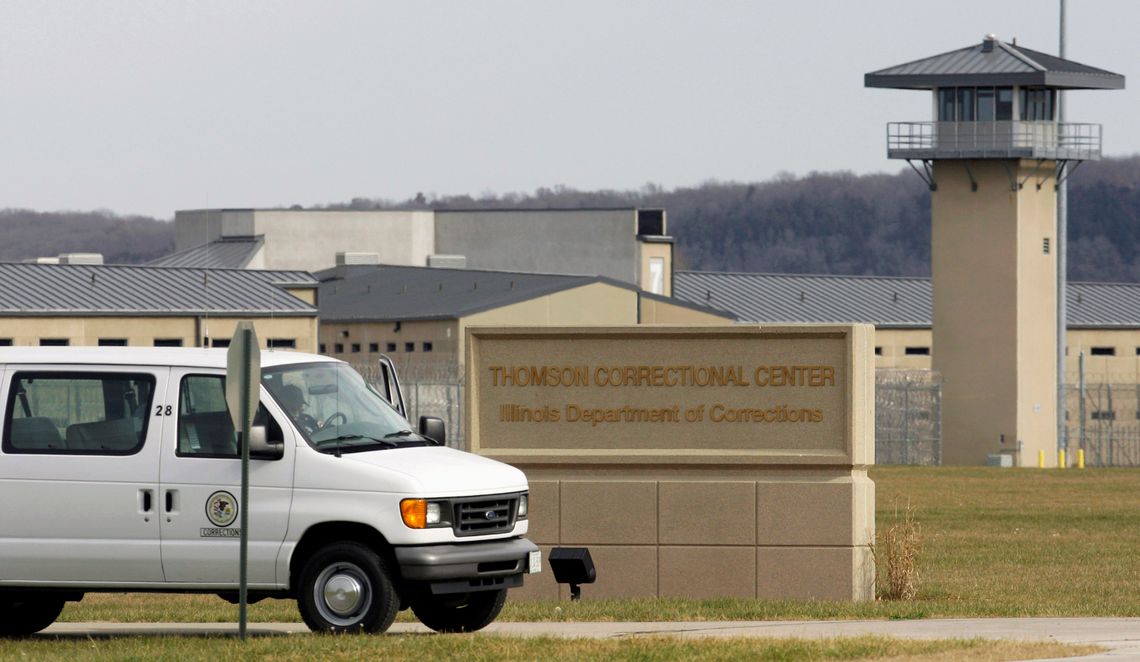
<point>484,515</point>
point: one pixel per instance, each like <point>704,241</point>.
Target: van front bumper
<point>467,567</point>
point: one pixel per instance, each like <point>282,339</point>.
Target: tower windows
<point>1004,110</point>
<point>985,104</point>
<point>964,109</point>
<point>1037,104</point>
<point>995,104</point>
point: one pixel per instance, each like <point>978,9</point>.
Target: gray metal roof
<point>674,301</point>
<point>886,302</point>
<point>86,290</point>
<point>997,64</point>
<point>1103,305</point>
<point>390,293</point>
<point>226,253</point>
<point>417,293</point>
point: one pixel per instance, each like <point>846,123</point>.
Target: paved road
<point>1120,635</point>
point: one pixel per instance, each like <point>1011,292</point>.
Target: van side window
<point>204,425</point>
<point>80,413</point>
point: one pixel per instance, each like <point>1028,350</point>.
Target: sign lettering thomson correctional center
<point>710,390</point>
<point>693,461</point>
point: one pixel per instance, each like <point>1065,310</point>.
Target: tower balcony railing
<point>993,140</point>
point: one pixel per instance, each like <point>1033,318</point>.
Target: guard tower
<point>992,158</point>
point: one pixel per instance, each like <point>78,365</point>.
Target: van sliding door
<point>79,475</point>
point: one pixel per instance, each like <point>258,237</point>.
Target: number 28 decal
<point>159,410</point>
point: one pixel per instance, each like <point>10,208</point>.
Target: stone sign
<point>629,434</point>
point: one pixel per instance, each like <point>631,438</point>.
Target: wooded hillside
<point>836,223</point>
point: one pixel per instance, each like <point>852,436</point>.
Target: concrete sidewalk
<point>1120,635</point>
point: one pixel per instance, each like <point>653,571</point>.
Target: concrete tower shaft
<point>994,270</point>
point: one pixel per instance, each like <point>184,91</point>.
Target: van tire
<point>28,615</point>
<point>474,612</point>
<point>345,587</point>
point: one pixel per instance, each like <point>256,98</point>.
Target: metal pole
<point>1062,264</point>
<point>1109,413</point>
<point>243,543</point>
<point>906,422</point>
<point>1081,396</point>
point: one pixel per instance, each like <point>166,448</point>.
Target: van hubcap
<point>343,594</point>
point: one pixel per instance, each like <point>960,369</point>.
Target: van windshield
<point>336,410</point>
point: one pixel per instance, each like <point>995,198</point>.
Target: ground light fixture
<point>573,566</point>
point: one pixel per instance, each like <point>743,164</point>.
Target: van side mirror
<point>434,428</point>
<point>260,448</point>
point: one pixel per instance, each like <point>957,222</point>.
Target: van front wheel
<point>345,587</point>
<point>27,615</point>
<point>472,612</point>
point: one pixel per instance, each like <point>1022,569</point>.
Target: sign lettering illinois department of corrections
<point>786,390</point>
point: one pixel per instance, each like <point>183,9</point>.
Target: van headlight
<point>523,506</point>
<point>423,514</point>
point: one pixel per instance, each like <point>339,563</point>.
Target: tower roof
<point>994,62</point>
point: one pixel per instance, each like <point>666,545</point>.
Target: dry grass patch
<point>896,553</point>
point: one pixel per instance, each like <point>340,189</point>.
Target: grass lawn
<point>997,542</point>
<point>496,648</point>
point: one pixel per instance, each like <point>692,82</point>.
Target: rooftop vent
<point>988,43</point>
<point>447,261</point>
<point>349,259</point>
<point>81,258</point>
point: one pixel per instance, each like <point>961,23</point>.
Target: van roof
<point>190,357</point>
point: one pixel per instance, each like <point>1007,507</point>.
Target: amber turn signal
<point>414,512</point>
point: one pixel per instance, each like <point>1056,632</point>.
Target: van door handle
<point>147,498</point>
<point>169,500</point>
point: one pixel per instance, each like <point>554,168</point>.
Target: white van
<point>119,471</point>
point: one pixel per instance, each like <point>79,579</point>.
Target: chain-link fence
<point>908,417</point>
<point>1103,420</point>
<point>908,408</point>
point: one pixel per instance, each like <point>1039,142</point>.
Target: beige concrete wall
<point>993,293</point>
<point>660,312</point>
<point>306,294</point>
<point>594,304</point>
<point>688,504</point>
<point>310,240</point>
<point>143,331</point>
<point>891,348</point>
<point>442,334</point>
<point>1123,368</point>
<point>647,250</point>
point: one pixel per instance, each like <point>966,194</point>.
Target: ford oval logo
<point>489,515</point>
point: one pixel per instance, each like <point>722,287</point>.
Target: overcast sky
<point>148,107</point>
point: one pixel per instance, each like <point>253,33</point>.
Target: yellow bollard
<point>1040,459</point>
<point>1080,458</point>
<point>1061,460</point>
